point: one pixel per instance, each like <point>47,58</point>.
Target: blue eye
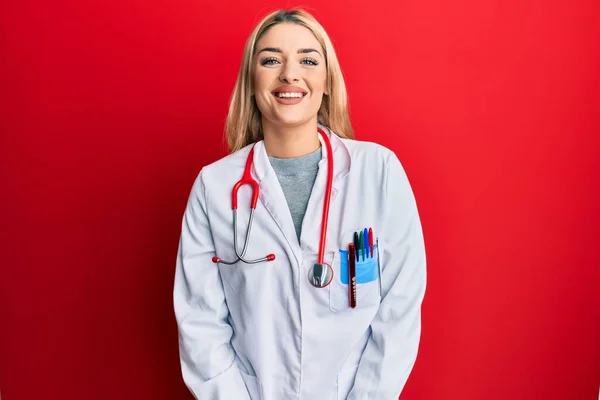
<point>311,61</point>
<point>269,61</point>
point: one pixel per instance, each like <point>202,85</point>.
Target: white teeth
<point>284,94</point>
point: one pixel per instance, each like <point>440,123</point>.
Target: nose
<point>289,74</point>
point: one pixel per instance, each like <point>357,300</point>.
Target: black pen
<point>356,244</point>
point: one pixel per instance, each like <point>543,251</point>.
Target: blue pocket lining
<point>366,271</point>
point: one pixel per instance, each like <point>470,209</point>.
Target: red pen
<point>371,242</point>
<point>351,275</point>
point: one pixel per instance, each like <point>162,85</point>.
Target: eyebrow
<point>278,50</point>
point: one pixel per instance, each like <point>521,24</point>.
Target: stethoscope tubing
<point>327,200</point>
<point>240,257</point>
<point>247,179</point>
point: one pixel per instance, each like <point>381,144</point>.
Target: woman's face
<point>289,76</point>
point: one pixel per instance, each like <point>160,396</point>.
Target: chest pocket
<point>367,281</point>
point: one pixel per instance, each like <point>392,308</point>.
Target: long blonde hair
<point>244,118</point>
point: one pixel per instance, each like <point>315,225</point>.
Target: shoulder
<point>229,163</point>
<point>223,172</point>
<point>371,155</point>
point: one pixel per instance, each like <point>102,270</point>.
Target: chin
<point>291,120</point>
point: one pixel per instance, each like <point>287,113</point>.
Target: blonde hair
<point>244,124</point>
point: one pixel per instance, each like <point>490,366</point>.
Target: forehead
<point>288,36</point>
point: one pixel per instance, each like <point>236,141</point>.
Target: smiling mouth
<point>289,95</point>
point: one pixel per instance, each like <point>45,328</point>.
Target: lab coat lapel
<point>272,197</point>
<point>313,219</point>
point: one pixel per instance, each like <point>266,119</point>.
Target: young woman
<point>315,291</point>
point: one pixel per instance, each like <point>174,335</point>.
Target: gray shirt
<point>297,177</point>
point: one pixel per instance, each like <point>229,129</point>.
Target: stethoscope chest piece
<point>320,275</point>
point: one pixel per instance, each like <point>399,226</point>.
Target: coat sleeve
<point>206,355</point>
<point>392,347</point>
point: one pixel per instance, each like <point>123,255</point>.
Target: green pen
<point>361,245</point>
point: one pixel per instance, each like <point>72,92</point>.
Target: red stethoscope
<point>321,273</point>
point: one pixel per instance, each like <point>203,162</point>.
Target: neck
<point>290,142</point>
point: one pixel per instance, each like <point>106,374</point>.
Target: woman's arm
<point>207,358</point>
<point>395,331</point>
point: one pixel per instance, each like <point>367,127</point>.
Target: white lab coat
<point>263,331</point>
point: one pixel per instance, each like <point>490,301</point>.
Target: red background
<point>110,109</point>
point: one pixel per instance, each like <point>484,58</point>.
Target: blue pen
<point>367,243</point>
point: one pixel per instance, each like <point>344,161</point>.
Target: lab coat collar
<point>341,158</point>
<point>273,198</point>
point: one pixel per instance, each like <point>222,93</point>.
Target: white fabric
<point>263,331</point>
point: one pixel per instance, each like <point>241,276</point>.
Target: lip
<point>289,89</point>
<point>289,100</point>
